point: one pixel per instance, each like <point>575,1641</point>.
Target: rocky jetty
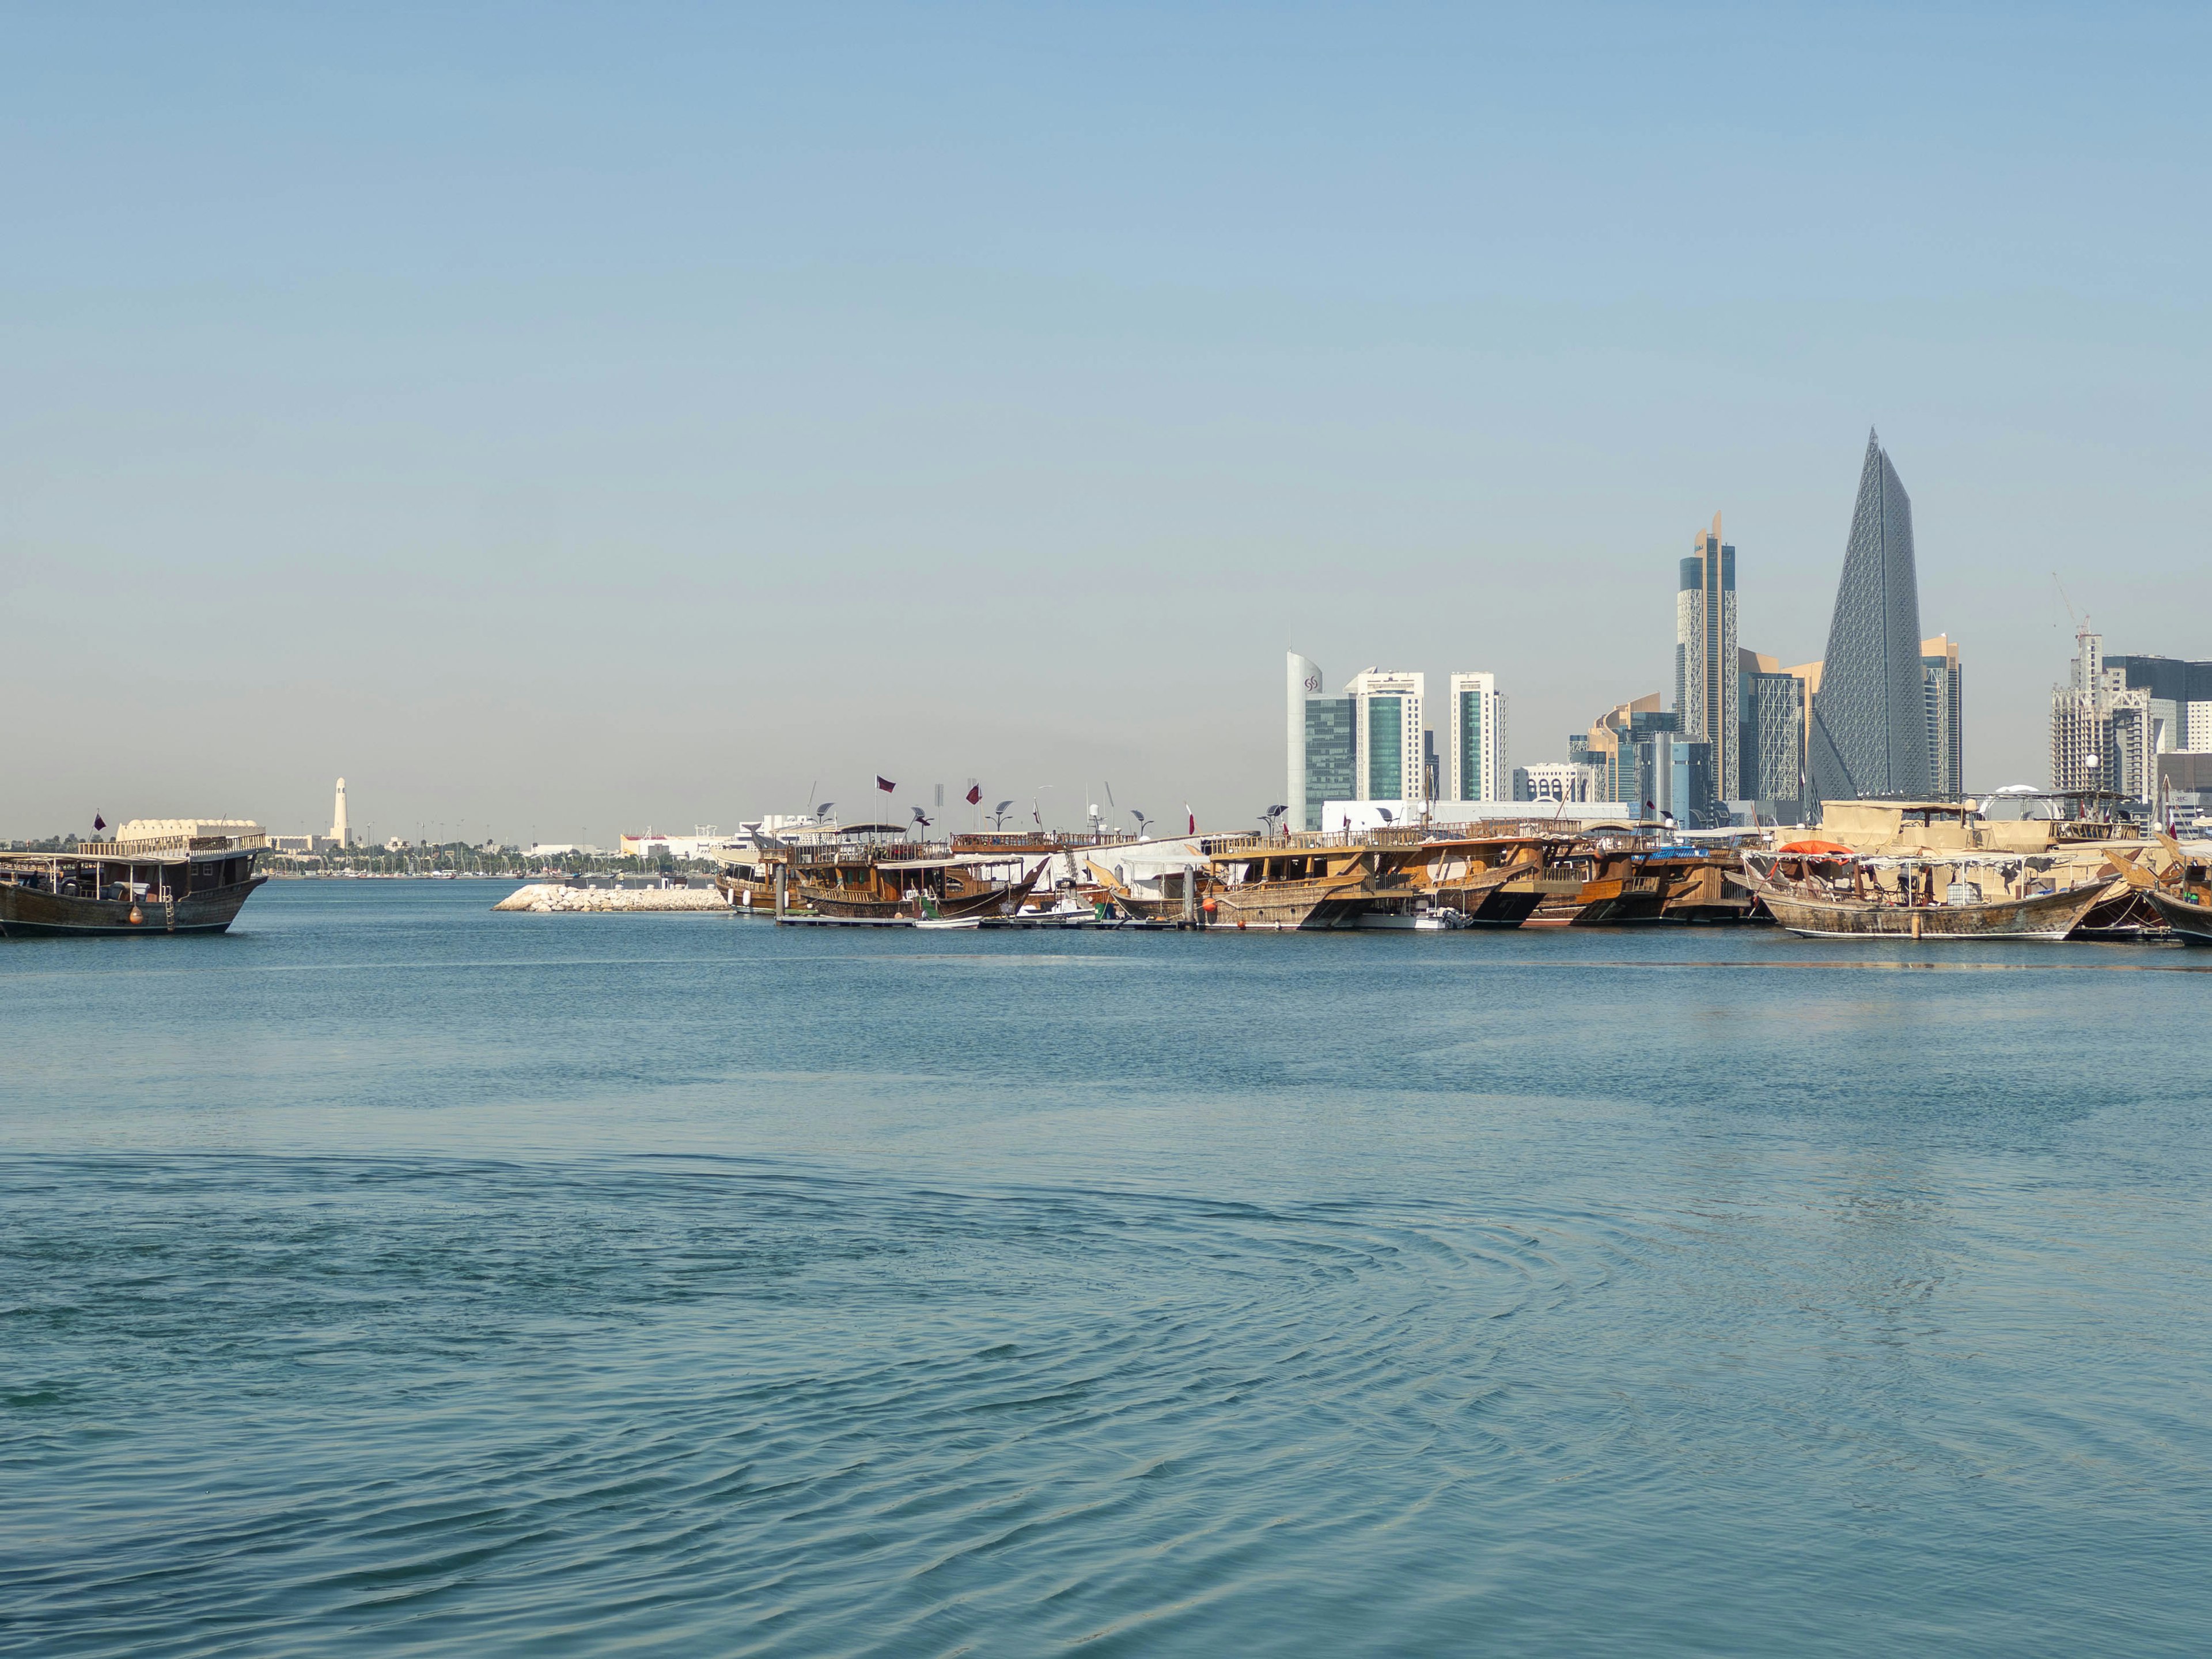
<point>547,896</point>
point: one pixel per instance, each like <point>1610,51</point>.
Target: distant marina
<point>1937,870</point>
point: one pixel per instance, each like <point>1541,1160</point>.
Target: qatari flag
<point>974,794</point>
<point>886,785</point>
<point>99,824</point>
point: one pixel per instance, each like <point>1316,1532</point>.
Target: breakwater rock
<point>552,896</point>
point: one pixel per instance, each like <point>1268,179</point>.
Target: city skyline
<point>581,426</point>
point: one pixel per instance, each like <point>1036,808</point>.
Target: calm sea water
<point>394,1277</point>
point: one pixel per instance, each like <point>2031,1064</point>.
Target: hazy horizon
<point>556,424</point>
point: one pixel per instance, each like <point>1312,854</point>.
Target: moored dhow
<point>1825,890</point>
<point>156,876</point>
<point>2180,895</point>
<point>2187,915</point>
<point>1494,879</point>
<point>886,882</point>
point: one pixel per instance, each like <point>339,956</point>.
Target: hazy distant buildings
<point>1387,727</point>
<point>1870,727</point>
<point>1618,745</point>
<point>2117,715</point>
<point>1478,751</point>
<point>2177,697</point>
<point>1639,754</point>
<point>1705,670</point>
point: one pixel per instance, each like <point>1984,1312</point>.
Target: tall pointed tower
<point>339,832</point>
<point>1869,722</point>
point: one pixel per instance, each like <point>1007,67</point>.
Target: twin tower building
<point>1879,716</point>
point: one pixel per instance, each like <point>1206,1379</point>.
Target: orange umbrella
<point>1826,849</point>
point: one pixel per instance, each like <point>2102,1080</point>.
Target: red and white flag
<point>1193,816</point>
<point>884,784</point>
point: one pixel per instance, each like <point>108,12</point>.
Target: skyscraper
<point>2180,698</point>
<point>1479,755</point>
<point>1322,752</point>
<point>1706,691</point>
<point>1870,725</point>
<point>1386,727</point>
<point>2125,712</point>
<point>1770,756</point>
<point>1943,694</point>
<point>1614,742</point>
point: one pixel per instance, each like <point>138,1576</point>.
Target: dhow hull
<point>32,913</point>
<point>2043,916</point>
<point>2191,923</point>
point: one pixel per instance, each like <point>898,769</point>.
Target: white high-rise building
<point>1480,763</point>
<point>1386,725</point>
<point>2103,737</point>
<point>338,832</point>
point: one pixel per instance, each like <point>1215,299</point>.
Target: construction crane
<point>2080,619</point>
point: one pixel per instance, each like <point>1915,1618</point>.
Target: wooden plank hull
<point>998,900</point>
<point>1288,905</point>
<point>1496,898</point>
<point>1620,901</point>
<point>2044,917</point>
<point>750,896</point>
<point>32,913</point>
<point>2192,922</point>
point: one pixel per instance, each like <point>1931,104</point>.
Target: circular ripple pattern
<point>415,1280</point>
<point>770,1409</point>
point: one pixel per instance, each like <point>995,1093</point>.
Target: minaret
<point>338,817</point>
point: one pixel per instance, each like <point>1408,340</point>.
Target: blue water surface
<point>394,1277</point>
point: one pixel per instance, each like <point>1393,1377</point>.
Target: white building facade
<point>1387,709</point>
<point>1570,781</point>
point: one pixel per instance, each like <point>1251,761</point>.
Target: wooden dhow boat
<point>156,876</point>
<point>1606,880</point>
<point>749,872</point>
<point>1825,890</point>
<point>1304,882</point>
<point>2180,895</point>
<point>885,883</point>
<point>2188,915</point>
<point>1494,880</point>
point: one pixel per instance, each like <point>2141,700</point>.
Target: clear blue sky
<point>561,418</point>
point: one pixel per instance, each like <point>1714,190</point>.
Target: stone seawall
<point>552,896</point>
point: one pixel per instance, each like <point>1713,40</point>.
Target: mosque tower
<point>339,819</point>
